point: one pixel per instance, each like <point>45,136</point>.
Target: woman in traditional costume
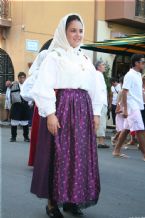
<point>66,164</point>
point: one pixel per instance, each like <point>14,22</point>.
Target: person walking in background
<point>115,89</point>
<point>133,140</point>
<point>132,98</point>
<point>20,111</point>
<point>119,115</point>
<point>7,100</point>
<point>66,145</point>
<point>100,69</point>
<point>120,120</point>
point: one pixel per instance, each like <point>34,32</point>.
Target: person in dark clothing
<point>20,110</point>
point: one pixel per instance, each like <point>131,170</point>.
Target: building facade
<point>25,26</point>
<point>118,19</point>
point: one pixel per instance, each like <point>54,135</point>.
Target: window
<point>6,70</point>
<point>4,9</point>
<point>140,8</point>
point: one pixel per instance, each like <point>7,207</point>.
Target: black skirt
<point>20,111</point>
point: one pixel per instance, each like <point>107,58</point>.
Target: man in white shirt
<point>100,69</point>
<point>115,89</point>
<point>132,97</point>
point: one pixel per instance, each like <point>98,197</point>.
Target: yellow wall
<point>100,9</point>
<point>38,20</point>
<point>1,41</point>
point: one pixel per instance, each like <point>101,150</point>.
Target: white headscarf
<point>60,39</point>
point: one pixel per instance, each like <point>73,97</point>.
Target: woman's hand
<point>96,122</point>
<point>52,124</point>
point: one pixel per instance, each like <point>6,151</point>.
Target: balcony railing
<point>140,8</point>
<point>130,13</point>
<point>5,13</point>
<point>5,9</point>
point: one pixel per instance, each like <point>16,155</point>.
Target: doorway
<point>121,66</point>
<point>6,70</point>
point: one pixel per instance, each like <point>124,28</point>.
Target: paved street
<point>122,184</point>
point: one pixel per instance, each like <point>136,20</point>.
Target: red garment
<point>133,133</point>
<point>34,137</point>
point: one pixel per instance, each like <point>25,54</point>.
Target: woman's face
<point>74,33</point>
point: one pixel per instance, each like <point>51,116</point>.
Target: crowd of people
<point>71,104</point>
<point>130,111</point>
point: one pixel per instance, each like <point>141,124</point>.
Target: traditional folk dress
<point>66,165</point>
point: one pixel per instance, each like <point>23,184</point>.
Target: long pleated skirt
<point>66,166</point>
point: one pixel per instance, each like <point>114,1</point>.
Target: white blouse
<point>65,70</point>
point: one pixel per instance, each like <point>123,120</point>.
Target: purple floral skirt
<point>66,166</point>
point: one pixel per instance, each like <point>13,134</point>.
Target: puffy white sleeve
<point>95,89</point>
<point>95,94</point>
<point>43,90</point>
<point>96,100</point>
<point>26,88</point>
<point>37,62</point>
<point>33,72</point>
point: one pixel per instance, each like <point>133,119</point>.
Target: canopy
<point>123,46</point>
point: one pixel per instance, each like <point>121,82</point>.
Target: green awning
<point>123,46</point>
